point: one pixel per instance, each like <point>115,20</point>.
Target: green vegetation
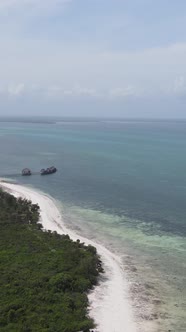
<point>44,276</point>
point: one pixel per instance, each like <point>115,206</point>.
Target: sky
<point>113,58</point>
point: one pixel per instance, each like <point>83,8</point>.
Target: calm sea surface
<point>122,183</point>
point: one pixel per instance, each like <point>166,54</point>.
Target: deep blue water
<point>125,180</point>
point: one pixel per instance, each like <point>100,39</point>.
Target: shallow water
<point>124,184</point>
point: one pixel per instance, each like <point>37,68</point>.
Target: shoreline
<point>109,304</point>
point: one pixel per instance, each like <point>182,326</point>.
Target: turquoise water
<point>124,184</point>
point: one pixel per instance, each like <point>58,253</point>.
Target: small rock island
<point>43,171</point>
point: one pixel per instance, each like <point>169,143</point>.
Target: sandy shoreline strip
<point>109,302</point>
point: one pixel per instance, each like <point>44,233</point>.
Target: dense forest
<point>44,276</point>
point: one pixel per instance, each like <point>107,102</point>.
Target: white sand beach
<point>109,301</point>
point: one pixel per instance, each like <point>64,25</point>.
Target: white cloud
<point>60,92</point>
<point>58,70</point>
<point>53,92</point>
<point>180,86</point>
<point>14,90</point>
<point>57,92</point>
<point>79,91</point>
<point>124,92</point>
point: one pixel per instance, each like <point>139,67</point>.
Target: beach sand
<point>109,302</point>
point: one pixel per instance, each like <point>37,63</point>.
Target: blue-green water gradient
<point>123,183</point>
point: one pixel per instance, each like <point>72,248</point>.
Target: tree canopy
<point>44,276</point>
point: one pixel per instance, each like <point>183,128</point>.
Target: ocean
<point>121,183</point>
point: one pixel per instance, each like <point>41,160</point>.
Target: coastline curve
<point>109,303</point>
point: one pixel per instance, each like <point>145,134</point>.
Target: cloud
<point>179,87</point>
<point>124,92</point>
<point>61,92</point>
<point>52,92</point>
<point>16,90</point>
<point>61,69</point>
<point>58,92</point>
<point>13,90</point>
<point>64,65</point>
